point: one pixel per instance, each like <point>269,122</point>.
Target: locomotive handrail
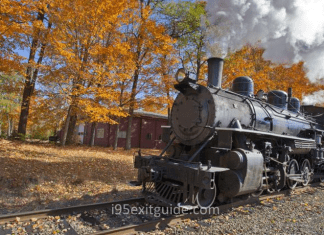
<point>273,109</point>
<point>262,104</point>
<point>252,109</point>
<point>318,115</point>
<point>262,133</point>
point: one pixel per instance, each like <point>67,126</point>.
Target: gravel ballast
<point>300,213</point>
<point>297,214</point>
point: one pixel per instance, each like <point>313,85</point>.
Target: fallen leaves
<point>43,172</point>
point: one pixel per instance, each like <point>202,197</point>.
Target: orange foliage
<point>267,75</point>
<point>90,56</point>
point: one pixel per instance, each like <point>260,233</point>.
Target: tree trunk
<point>9,127</point>
<point>66,127</point>
<point>129,130</point>
<point>198,69</point>
<point>27,93</point>
<point>116,136</point>
<point>119,119</point>
<point>169,109</point>
<point>12,126</point>
<point>199,57</point>
<point>128,145</point>
<point>31,77</point>
<point>71,130</point>
<point>92,134</point>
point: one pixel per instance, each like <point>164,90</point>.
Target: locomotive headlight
<point>180,75</point>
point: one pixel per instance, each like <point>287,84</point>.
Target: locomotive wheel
<point>321,172</point>
<point>292,169</point>
<point>206,197</point>
<point>305,169</point>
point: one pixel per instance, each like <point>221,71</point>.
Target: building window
<point>100,133</point>
<point>122,134</point>
<point>149,136</point>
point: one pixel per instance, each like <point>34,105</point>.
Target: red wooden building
<point>146,131</point>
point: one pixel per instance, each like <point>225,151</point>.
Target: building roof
<point>150,114</point>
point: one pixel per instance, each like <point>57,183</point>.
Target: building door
<point>148,133</point>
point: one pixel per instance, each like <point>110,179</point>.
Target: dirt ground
<point>41,175</point>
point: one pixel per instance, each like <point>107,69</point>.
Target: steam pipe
<point>215,71</point>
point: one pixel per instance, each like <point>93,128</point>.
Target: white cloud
<point>290,30</point>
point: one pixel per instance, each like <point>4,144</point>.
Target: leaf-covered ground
<point>38,176</point>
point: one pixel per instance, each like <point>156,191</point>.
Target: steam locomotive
<point>223,144</point>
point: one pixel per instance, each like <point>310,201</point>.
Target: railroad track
<point>143,222</point>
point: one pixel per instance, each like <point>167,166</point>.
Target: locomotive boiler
<point>223,144</point>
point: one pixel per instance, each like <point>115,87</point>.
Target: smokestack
<point>215,71</point>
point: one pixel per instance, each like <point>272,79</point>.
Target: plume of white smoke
<point>289,30</point>
<point>315,98</point>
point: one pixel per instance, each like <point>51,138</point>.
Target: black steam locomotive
<point>222,144</point>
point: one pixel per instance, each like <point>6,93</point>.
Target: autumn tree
<point>52,109</point>
<point>86,49</point>
<point>14,19</point>
<point>24,25</point>
<point>148,41</point>
<point>267,75</point>
<point>162,92</point>
<point>124,98</point>
<point>294,76</point>
<point>36,33</point>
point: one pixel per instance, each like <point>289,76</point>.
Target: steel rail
<point>61,211</point>
<point>155,224</point>
<point>165,222</point>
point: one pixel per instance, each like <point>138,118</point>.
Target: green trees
<point>186,22</point>
<point>10,90</point>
